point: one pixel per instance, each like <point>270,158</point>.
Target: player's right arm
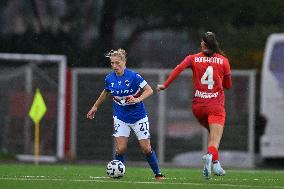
<point>175,73</point>
<point>99,101</point>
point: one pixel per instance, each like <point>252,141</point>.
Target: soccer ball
<point>115,169</point>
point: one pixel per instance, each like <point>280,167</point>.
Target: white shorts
<point>140,128</point>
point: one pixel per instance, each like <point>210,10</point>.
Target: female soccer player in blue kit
<point>128,90</point>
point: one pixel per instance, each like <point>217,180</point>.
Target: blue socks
<point>150,157</point>
<point>120,157</point>
<point>153,162</point>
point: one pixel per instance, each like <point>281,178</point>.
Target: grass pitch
<point>28,176</point>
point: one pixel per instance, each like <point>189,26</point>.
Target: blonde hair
<point>120,52</point>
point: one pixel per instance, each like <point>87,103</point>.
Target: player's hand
<point>132,99</point>
<point>91,113</point>
<point>160,88</point>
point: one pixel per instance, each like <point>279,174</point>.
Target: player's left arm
<point>147,91</point>
<point>227,79</point>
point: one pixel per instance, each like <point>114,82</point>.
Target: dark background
<point>155,33</point>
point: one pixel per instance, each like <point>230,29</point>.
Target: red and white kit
<point>210,76</point>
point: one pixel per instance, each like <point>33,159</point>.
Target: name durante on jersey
<point>120,88</point>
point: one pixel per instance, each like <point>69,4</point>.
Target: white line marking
<point>102,180</point>
<point>91,177</point>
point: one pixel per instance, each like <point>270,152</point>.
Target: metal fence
<point>21,74</point>
<point>175,134</point>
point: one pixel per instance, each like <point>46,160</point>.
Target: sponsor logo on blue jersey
<point>120,88</point>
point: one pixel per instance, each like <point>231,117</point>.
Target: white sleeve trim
<point>143,84</point>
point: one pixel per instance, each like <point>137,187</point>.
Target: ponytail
<point>212,44</point>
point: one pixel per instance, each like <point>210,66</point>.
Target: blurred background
<point>154,33</point>
<point>157,35</point>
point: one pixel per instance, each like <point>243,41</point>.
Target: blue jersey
<point>130,83</point>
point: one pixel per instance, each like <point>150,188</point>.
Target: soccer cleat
<point>207,161</point>
<point>217,169</point>
<point>160,176</point>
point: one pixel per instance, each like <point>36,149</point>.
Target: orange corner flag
<point>38,108</point>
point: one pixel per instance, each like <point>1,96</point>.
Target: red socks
<point>214,151</point>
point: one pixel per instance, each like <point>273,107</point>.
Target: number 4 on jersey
<point>207,78</point>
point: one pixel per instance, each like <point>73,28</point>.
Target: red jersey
<point>210,75</point>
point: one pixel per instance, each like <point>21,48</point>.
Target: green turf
<point>27,176</point>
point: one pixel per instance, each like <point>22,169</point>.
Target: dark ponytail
<point>212,44</point>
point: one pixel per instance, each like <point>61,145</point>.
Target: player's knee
<point>120,150</point>
<point>146,149</point>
